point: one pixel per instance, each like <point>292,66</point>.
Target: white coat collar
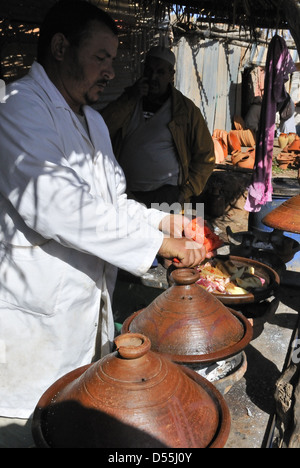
<point>39,75</point>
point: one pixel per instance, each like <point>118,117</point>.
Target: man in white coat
<point>66,224</point>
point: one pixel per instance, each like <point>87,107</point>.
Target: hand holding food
<point>199,231</point>
<point>174,225</point>
<point>187,253</point>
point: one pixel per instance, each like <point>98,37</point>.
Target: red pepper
<point>201,233</point>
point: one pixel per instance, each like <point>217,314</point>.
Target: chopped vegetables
<point>228,278</point>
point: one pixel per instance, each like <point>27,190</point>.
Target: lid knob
<point>183,276</point>
<point>132,345</point>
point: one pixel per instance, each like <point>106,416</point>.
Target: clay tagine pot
<point>245,159</point>
<point>284,160</point>
<point>131,398</point>
<point>295,145</point>
<point>285,217</point>
<point>189,324</point>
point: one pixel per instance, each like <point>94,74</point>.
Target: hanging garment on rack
<point>279,65</point>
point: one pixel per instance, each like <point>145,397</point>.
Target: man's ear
<point>59,43</point>
<point>172,76</point>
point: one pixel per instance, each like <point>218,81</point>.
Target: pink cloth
<point>279,65</point>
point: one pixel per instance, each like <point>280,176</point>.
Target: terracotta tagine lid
<point>189,324</point>
<point>286,217</point>
<point>131,398</point>
<point>295,145</point>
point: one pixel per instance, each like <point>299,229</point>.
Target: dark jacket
<point>191,136</point>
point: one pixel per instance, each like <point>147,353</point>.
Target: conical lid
<point>189,324</point>
<point>285,217</point>
<point>131,398</point>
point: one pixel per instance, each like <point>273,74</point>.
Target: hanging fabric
<point>279,65</point>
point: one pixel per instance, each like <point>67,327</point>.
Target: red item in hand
<point>195,230</point>
<point>212,241</point>
<point>203,235</point>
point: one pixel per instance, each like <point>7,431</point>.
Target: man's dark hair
<point>71,18</point>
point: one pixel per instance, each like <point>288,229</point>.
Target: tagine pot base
<point>132,398</point>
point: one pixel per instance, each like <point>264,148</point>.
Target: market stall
<point>203,357</point>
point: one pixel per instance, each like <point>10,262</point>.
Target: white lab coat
<point>65,225</point>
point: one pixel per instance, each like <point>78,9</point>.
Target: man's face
<point>159,74</point>
<point>86,70</point>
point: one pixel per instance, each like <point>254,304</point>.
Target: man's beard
<point>77,75</point>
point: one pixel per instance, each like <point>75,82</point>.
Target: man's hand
<point>174,225</point>
<point>141,87</point>
<point>187,252</point>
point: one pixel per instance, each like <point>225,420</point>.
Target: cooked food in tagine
<point>227,278</point>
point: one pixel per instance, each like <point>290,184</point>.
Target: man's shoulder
<point>20,92</point>
<point>27,87</point>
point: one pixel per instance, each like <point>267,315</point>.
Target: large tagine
<point>131,398</point>
<point>189,324</point>
<point>285,217</point>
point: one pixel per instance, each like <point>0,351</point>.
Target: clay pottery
<point>284,160</point>
<point>251,138</point>
<point>224,147</point>
<point>295,146</point>
<point>245,160</point>
<point>219,152</point>
<point>291,137</point>
<point>247,138</point>
<point>239,123</point>
<point>283,140</point>
<point>132,398</point>
<point>222,137</point>
<point>189,324</point>
<point>233,141</point>
<point>286,217</point>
